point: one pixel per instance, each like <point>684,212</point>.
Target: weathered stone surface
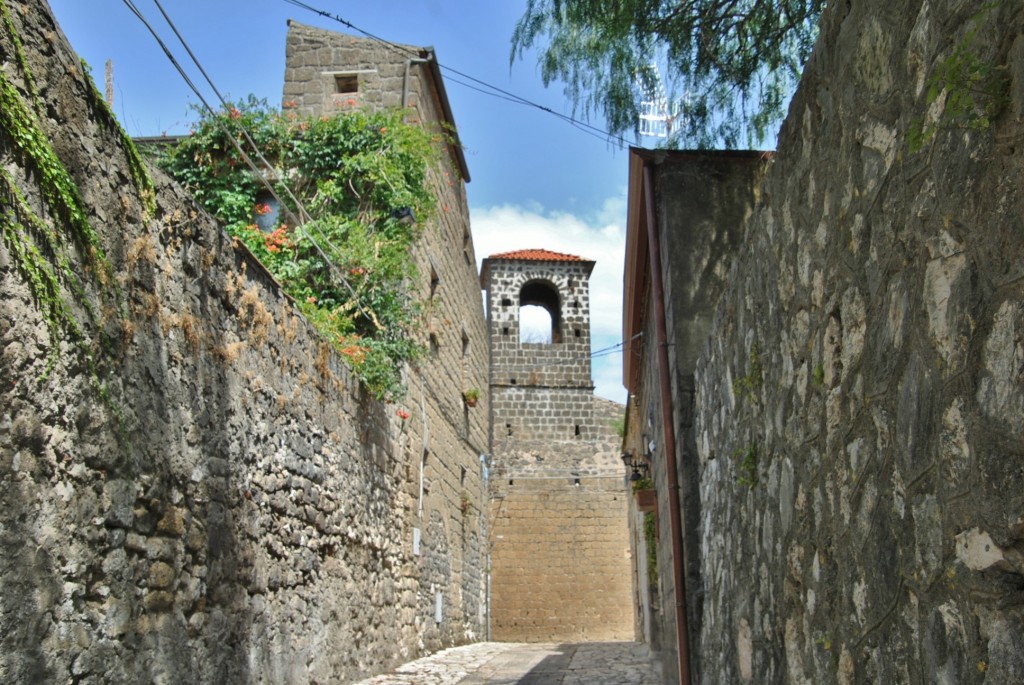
<point>873,540</point>
<point>238,511</point>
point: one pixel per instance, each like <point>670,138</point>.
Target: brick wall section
<point>558,561</point>
<point>559,538</point>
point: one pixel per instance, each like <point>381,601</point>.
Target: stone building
<point>836,391</point>
<point>559,537</point>
<point>445,440</point>
<point>686,212</point>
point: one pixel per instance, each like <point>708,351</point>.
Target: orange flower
<point>276,240</point>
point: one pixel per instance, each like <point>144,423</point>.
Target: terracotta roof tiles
<point>538,256</point>
<point>531,256</point>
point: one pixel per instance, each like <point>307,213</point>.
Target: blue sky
<point>537,181</point>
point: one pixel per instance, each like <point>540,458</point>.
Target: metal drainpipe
<point>675,518</point>
<point>405,79</point>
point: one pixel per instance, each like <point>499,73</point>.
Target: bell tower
<point>557,497</point>
<point>541,387</point>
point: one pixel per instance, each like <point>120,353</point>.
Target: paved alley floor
<point>502,663</point>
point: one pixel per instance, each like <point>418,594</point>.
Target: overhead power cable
<point>299,222</point>
<point>481,87</point>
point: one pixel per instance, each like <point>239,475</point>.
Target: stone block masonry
<point>232,508</point>
<point>559,565</point>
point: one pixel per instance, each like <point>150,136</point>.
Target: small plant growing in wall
<point>747,464</point>
<point>976,91</point>
<point>471,397</point>
<point>819,374</point>
<point>651,540</point>
<point>748,384</point>
<point>619,426</point>
<point>465,504</point>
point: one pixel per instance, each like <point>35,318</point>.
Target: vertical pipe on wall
<point>405,78</point>
<point>668,426</point>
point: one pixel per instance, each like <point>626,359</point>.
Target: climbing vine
<point>40,251</point>
<point>359,182</point>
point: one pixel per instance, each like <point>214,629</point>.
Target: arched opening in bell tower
<point>540,297</point>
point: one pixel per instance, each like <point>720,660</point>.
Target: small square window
<point>346,83</point>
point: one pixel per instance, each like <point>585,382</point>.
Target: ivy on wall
<point>45,250</point>
<point>359,182</point>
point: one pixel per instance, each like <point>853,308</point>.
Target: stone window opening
<point>435,276</point>
<point>345,84</point>
<point>540,313</point>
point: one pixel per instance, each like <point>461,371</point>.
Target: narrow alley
<point>502,663</point>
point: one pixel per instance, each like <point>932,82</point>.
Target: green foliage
<point>347,265</point>
<point>43,254</point>
<point>733,61</point>
<point>619,426</point>
<point>976,90</point>
<point>651,539</point>
<point>643,483</point>
<point>748,384</point>
<point>747,465</point>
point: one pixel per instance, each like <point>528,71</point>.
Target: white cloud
<point>599,236</point>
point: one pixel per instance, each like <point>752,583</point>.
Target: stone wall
<point>448,438</point>
<point>231,507</point>
<point>558,561</point>
<point>860,403</point>
<point>700,201</point>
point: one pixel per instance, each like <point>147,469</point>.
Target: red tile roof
<point>538,256</point>
<point>530,256</point>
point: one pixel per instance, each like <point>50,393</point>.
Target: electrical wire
<point>298,222</point>
<point>302,222</point>
<point>484,87</point>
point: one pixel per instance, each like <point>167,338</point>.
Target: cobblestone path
<point>501,663</point>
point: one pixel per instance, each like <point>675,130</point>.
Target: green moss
<point>748,384</point>
<point>747,466</point>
